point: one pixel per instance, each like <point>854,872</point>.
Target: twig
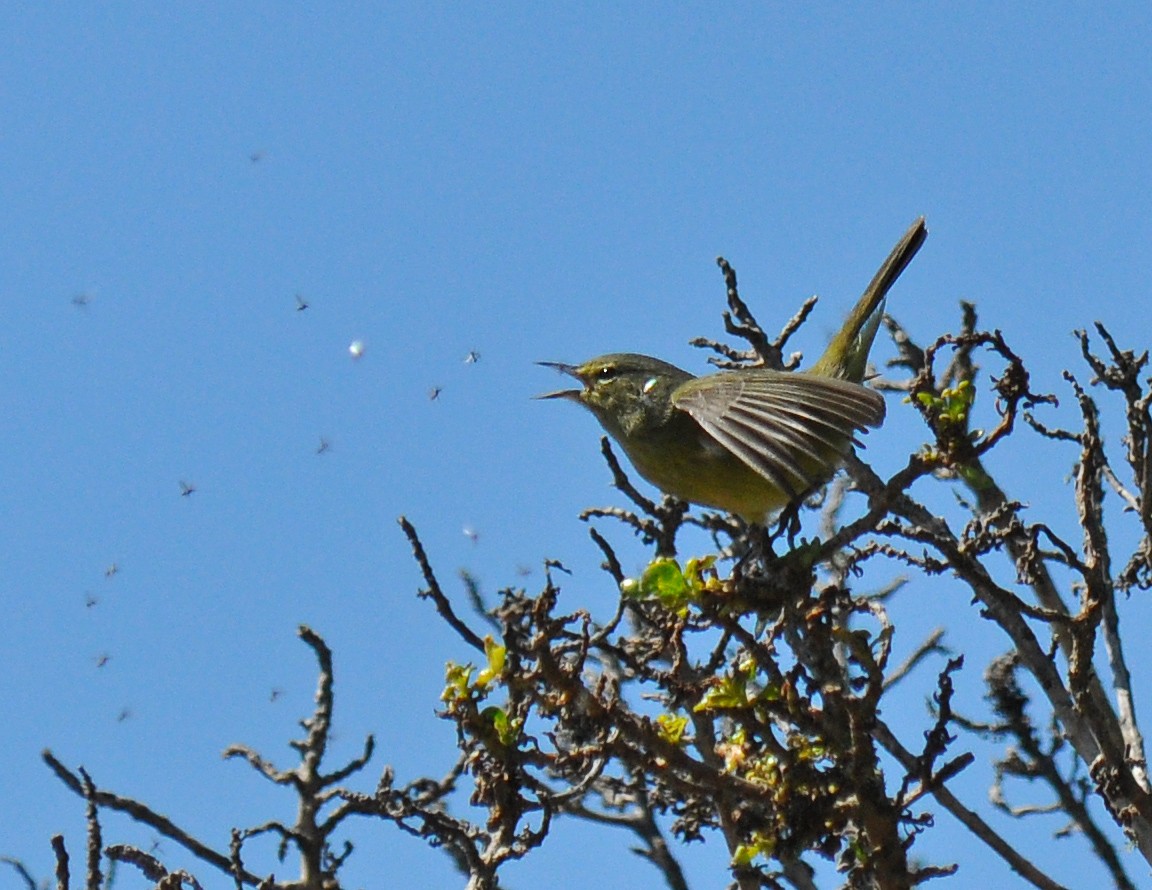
<point>929,646</point>
<point>433,590</point>
<point>144,815</point>
<point>967,817</point>
<point>21,870</point>
<point>93,878</point>
<point>61,853</point>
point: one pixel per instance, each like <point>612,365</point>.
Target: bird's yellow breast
<point>704,473</point>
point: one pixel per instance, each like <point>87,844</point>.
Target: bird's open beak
<point>563,368</point>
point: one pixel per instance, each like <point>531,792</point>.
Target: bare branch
<point>930,646</point>
<point>21,870</point>
<point>62,878</point>
<point>981,829</point>
<point>433,590</point>
<point>140,813</point>
<point>93,877</point>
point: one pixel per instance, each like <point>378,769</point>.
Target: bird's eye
<point>605,373</point>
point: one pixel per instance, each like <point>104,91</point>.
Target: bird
<point>748,441</point>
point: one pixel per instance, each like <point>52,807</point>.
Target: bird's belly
<point>709,475</point>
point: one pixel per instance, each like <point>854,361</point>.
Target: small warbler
<point>748,441</point>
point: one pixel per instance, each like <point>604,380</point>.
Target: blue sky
<point>526,182</point>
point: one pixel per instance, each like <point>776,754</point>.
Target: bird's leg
<point>787,523</point>
<point>756,576</point>
<point>757,552</point>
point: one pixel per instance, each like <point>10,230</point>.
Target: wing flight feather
<point>791,428</point>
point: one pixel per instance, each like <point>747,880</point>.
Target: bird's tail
<point>847,355</point>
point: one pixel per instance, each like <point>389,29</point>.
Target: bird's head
<point>627,392</point>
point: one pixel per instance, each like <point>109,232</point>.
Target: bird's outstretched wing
<point>792,428</point>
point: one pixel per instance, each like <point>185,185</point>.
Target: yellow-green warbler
<point>747,441</point>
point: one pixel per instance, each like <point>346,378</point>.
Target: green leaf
<point>672,586</point>
<point>506,728</point>
<point>496,654</point>
<point>746,854</point>
<point>664,580</point>
<point>730,692</point>
<point>458,682</point>
<point>672,727</point>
